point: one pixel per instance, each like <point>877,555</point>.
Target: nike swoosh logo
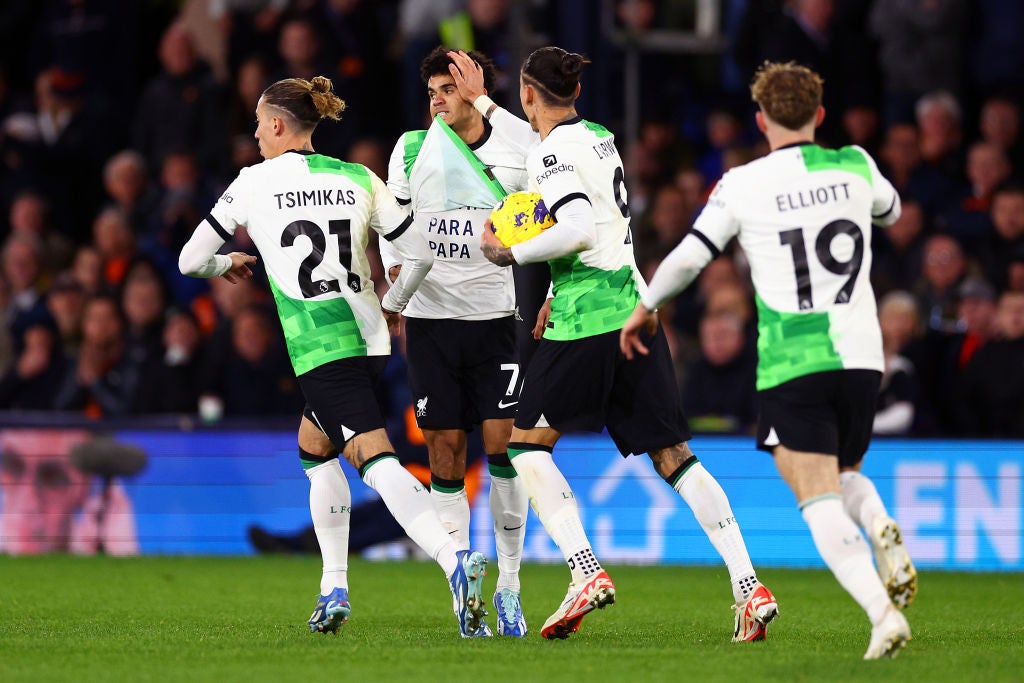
<point>502,404</point>
<point>511,528</point>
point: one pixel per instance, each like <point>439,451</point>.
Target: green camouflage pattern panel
<point>791,345</point>
<point>413,141</point>
<point>317,332</point>
<point>589,301</point>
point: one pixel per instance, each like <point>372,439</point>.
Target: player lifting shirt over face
<point>460,325</point>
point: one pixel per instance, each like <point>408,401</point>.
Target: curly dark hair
<point>438,60</point>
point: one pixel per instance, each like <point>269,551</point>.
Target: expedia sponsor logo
<point>552,170</point>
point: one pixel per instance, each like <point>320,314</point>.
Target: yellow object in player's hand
<point>520,216</point>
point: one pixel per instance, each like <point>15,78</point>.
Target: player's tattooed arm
<point>499,255</point>
<point>494,251</point>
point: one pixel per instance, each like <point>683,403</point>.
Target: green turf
<point>243,619</point>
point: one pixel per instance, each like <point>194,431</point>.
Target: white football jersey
<point>309,216</point>
<point>595,289</point>
<point>803,217</point>
<point>463,284</point>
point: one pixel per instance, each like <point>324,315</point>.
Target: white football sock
<point>555,505</point>
<point>710,506</point>
<point>409,502</point>
<point>509,506</point>
<point>861,499</point>
<point>846,553</point>
<point>330,506</point>
<point>453,511</point>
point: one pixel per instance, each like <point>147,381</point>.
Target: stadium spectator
<point>939,119</point>
<point>920,50</point>
<point>898,392</point>
<point>87,268</point>
<point>100,380</point>
<point>30,214</point>
<point>73,138</point>
<point>64,301</point>
<point>719,394</point>
<point>943,266</point>
<point>252,79</point>
<point>1006,242</point>
<point>176,379</point>
<point>143,301</point>
<point>247,26</point>
<point>183,108</point>
<point>915,180</point>
<point>29,383</point>
<point>115,244</point>
<point>23,275</point>
<point>662,226</point>
<point>994,381</point>
<point>255,377</point>
<point>128,187</point>
<point>898,251</point>
<point>966,214</point>
<point>999,123</point>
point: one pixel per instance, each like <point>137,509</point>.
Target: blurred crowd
<point>121,123</point>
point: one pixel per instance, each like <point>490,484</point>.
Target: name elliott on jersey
<point>805,199</point>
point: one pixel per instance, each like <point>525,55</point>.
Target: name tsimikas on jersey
<point>552,167</point>
<point>290,200</point>
<point>805,199</point>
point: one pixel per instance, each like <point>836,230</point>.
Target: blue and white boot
<point>331,612</point>
<point>467,594</point>
<point>510,613</point>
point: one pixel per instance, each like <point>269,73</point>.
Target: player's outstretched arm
<point>641,318</point>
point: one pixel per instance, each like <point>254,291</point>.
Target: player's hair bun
<point>572,65</point>
<point>327,104</point>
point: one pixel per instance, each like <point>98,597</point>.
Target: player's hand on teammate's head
<point>239,269</point>
<point>639,320</point>
<point>468,75</point>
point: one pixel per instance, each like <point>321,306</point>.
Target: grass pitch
<point>243,619</point>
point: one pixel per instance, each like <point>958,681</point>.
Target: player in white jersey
<point>578,379</point>
<point>309,216</point>
<point>460,324</point>
<point>803,216</point>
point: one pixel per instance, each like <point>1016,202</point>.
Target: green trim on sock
<point>373,461</point>
<point>309,464</point>
<point>502,472</point>
<point>446,489</point>
<point>683,469</point>
<point>515,452</point>
<point>816,499</point>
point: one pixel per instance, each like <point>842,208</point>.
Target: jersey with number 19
<point>803,215</point>
<point>595,289</point>
<point>309,216</point>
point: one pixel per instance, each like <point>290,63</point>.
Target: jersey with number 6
<point>595,289</point>
<point>309,216</point>
<point>803,215</point>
